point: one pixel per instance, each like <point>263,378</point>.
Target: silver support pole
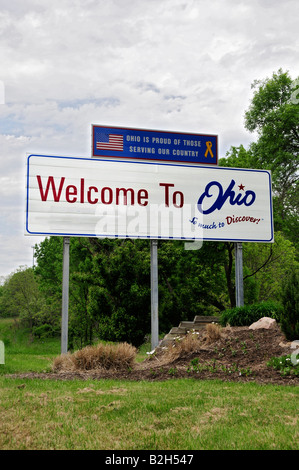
<point>154,295</point>
<point>239,274</point>
<point>65,294</point>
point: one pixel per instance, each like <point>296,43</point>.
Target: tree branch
<point>261,267</point>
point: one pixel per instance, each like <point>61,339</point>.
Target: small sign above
<point>154,145</point>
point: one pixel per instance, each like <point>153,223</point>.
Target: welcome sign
<point>69,196</point>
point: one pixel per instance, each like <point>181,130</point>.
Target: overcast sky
<point>178,65</point>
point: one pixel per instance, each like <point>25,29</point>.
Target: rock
<point>282,344</point>
<point>295,344</point>
<point>264,322</point>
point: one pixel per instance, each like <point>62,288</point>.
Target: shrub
<point>192,342</point>
<point>284,365</point>
<point>63,363</point>
<point>45,331</point>
<point>290,301</point>
<point>106,356</point>
<point>183,346</point>
<point>213,332</point>
<point>248,314</point>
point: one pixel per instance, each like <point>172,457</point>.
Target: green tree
<point>265,268</point>
<point>274,115</point>
<point>119,294</point>
<point>48,273</point>
<point>22,298</point>
<point>193,282</point>
<point>49,256</point>
<point>290,300</point>
<point>238,157</point>
<point>109,287</point>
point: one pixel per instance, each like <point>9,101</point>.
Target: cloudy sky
<point>178,65</point>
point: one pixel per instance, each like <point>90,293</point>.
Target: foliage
<point>191,282</point>
<point>45,331</point>
<point>248,314</point>
<point>24,352</point>
<point>237,157</point>
<point>285,365</point>
<point>21,298</point>
<point>290,301</point>
<point>212,366</point>
<point>119,295</point>
<point>274,115</point>
<point>276,260</point>
<point>110,286</point>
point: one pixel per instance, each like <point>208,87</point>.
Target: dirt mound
<point>237,354</point>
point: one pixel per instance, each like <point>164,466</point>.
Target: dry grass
<point>214,332</point>
<point>193,342</point>
<point>101,356</point>
<point>182,346</point>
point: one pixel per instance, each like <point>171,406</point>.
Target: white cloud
<point>161,64</point>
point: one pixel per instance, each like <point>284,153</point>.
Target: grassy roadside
<point>176,414</point>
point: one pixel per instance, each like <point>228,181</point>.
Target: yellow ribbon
<point>209,149</point>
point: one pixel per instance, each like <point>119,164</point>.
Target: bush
<point>123,326</point>
<point>285,365</point>
<point>45,331</point>
<point>248,314</point>
<point>192,342</point>
<point>290,302</point>
<point>213,332</point>
<point>106,356</point>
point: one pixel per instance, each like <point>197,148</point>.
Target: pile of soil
<point>240,355</point>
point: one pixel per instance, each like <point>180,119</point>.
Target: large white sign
<point>103,198</point>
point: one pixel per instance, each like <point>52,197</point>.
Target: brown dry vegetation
<point>102,356</point>
<point>229,354</point>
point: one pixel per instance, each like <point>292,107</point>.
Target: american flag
<point>106,141</point>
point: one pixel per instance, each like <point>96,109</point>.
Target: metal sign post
<point>154,295</point>
<point>239,274</point>
<point>65,294</point>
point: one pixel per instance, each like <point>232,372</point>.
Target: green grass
<point>172,415</point>
<point>22,353</point>
<point>184,414</point>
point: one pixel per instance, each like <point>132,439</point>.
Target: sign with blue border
<point>92,197</point>
<point>154,145</point>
